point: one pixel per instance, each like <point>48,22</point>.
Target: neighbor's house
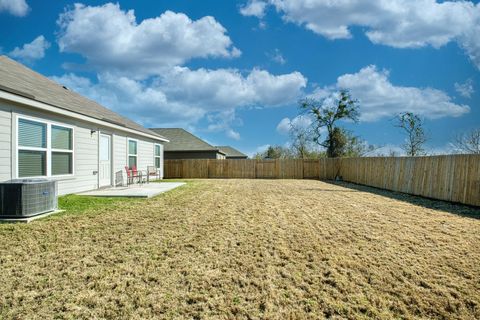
<point>48,131</point>
<point>184,145</point>
<point>232,153</point>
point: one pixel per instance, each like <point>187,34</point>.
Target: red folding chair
<point>132,175</point>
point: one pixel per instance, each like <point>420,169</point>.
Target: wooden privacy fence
<point>250,169</point>
<point>453,177</point>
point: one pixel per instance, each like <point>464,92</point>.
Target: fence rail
<point>453,177</point>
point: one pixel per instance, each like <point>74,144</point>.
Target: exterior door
<point>105,161</point>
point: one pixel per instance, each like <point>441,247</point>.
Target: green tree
<point>356,146</point>
<point>326,115</point>
<point>336,143</point>
<point>412,125</point>
<point>275,152</point>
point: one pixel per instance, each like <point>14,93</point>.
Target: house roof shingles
<point>232,152</point>
<point>20,80</point>
<point>182,140</point>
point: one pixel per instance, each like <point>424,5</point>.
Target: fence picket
<point>452,177</point>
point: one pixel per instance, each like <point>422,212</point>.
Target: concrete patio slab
<point>135,191</point>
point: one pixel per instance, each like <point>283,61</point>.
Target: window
<point>132,153</point>
<point>32,148</point>
<point>158,155</point>
<point>31,163</point>
<point>62,150</point>
<point>44,149</point>
<point>104,148</point>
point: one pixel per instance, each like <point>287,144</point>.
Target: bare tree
<point>412,125</point>
<point>326,116</point>
<point>392,153</point>
<point>301,142</point>
<point>468,142</point>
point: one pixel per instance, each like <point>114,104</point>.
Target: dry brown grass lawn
<point>246,249</point>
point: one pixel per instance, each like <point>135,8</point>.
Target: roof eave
<point>58,110</point>
<point>190,150</point>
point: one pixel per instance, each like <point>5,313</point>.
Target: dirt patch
<point>247,249</point>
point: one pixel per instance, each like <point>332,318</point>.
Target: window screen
<point>61,163</point>
<point>61,138</point>
<point>32,163</point>
<point>132,162</point>
<point>132,147</point>
<point>32,134</point>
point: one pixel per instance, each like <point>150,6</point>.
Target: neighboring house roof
<point>232,152</point>
<point>22,81</point>
<point>182,140</point>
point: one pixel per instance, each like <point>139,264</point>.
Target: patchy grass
<point>80,204</point>
<point>275,249</point>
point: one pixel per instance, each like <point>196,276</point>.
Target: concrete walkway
<point>135,191</point>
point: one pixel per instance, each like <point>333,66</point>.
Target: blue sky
<point>233,71</point>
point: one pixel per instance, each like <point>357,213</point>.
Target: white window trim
<point>155,155</point>
<point>49,150</point>
<point>128,150</point>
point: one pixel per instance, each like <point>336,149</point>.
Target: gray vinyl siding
<point>145,155</point>
<point>5,142</point>
<point>145,152</point>
<point>162,157</point>
<point>86,136</point>
<point>119,153</point>
<point>85,164</point>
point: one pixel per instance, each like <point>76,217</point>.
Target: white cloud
<point>112,40</point>
<point>396,23</point>
<point>34,50</point>
<point>388,150</point>
<point>301,121</point>
<point>284,126</point>
<point>233,134</point>
<point>259,149</point>
<point>17,8</point>
<point>394,150</point>
<point>222,88</point>
<point>140,73</point>
<point>254,8</point>
<point>182,97</point>
<point>465,89</point>
<point>223,121</point>
<point>470,42</point>
<point>440,150</point>
<point>379,98</point>
<point>277,57</point>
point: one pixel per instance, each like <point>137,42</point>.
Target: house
<point>232,153</point>
<point>184,145</point>
<point>49,131</point>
